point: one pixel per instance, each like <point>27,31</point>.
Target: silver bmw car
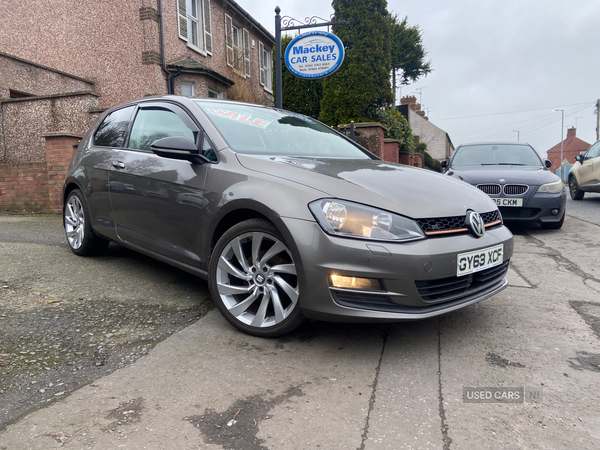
<point>286,218</point>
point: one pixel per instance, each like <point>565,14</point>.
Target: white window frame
<point>201,22</point>
<point>190,84</point>
<point>217,93</point>
<point>265,62</point>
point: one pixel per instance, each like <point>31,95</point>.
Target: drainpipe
<point>172,80</point>
<point>162,49</point>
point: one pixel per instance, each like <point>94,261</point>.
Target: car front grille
<point>452,288</point>
<point>455,224</point>
<point>490,189</point>
<point>515,189</point>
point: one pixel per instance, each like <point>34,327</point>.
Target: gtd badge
<point>475,223</point>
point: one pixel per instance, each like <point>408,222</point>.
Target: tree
<point>408,53</point>
<point>363,81</point>
<point>297,94</point>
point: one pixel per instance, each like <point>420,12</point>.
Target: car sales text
<point>330,56</point>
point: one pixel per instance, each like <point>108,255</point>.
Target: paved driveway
<point>335,386</point>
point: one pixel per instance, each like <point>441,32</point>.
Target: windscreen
<point>265,131</point>
<point>496,154</point>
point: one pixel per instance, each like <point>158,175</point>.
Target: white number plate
<point>509,201</point>
<point>479,260</point>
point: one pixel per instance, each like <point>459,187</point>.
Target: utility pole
<point>562,142</point>
<point>598,120</point>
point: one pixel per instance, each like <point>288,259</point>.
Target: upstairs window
<point>194,24</point>
<point>237,42</point>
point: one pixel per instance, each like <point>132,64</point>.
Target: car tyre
<point>80,236</point>
<point>554,225</point>
<point>576,193</point>
<point>253,280</point>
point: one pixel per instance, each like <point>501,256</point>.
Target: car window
<point>266,131</point>
<point>594,151</point>
<point>152,123</point>
<point>113,129</point>
<point>495,154</point>
<point>207,149</point>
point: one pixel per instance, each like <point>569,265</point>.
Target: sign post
<point>326,59</point>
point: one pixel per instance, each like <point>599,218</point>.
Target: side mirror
<point>548,163</point>
<point>444,164</point>
<point>579,158</point>
<point>178,147</point>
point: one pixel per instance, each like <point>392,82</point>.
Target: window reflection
<point>112,131</point>
<point>153,124</point>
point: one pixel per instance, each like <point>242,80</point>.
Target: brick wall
<point>390,150</point>
<point>37,187</point>
<point>24,187</point>
<point>59,152</point>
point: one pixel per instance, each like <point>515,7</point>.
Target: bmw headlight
<point>551,188</point>
<point>344,218</point>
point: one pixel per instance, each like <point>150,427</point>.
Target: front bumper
<point>537,208</point>
<point>418,278</point>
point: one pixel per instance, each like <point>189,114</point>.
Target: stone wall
<point>25,121</point>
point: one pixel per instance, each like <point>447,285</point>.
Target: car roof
<point>494,143</point>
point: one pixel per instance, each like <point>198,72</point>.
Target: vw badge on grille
<point>475,223</point>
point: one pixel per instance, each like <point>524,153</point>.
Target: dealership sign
<point>315,54</point>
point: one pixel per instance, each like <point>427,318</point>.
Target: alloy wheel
<point>256,279</point>
<point>74,222</point>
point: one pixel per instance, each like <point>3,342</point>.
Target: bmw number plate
<point>479,260</point>
<point>508,201</point>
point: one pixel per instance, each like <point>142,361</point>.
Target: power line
<point>542,122</point>
<point>515,112</point>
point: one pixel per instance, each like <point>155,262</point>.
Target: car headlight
<point>344,218</point>
<point>552,188</point>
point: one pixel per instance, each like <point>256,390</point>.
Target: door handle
<point>118,164</point>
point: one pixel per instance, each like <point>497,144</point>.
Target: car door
<point>106,141</point>
<point>157,201</point>
<point>589,173</point>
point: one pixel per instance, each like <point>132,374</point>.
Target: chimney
<point>571,132</point>
<point>411,101</point>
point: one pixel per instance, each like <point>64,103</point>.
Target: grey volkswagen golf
<point>286,218</point>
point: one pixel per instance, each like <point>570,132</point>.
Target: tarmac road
<point>331,386</point>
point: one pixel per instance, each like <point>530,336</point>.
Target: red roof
<point>572,146</point>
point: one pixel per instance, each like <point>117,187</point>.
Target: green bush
<point>397,127</point>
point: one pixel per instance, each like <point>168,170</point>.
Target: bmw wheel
<point>80,236</point>
<point>254,280</point>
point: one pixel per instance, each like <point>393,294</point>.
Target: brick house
<point>572,146</point>
<point>64,62</point>
<point>439,144</point>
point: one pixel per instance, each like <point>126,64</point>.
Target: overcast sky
<point>499,66</point>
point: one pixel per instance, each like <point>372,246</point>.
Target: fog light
<point>341,281</point>
<point>555,211</point>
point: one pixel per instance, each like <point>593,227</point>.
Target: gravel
<point>66,321</point>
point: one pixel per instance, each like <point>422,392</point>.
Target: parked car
<point>584,176</point>
<point>515,177</point>
<point>285,217</point>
